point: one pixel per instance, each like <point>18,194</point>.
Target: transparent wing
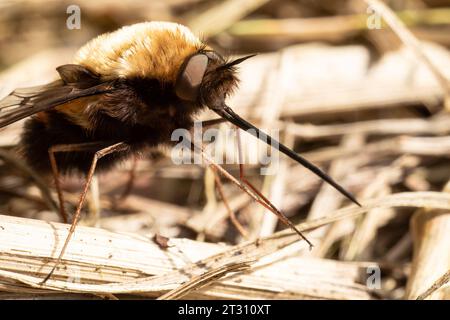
<point>75,82</point>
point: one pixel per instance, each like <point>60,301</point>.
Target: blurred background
<point>356,97</point>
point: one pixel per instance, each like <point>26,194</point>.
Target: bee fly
<point>126,91</point>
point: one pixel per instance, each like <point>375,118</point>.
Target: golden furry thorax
<point>148,49</point>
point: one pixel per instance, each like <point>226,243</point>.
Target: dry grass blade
<point>17,233</point>
<point>22,166</point>
<point>437,125</point>
<point>362,240</point>
<point>221,16</point>
<point>440,283</point>
<point>117,258</point>
<point>409,40</point>
<point>203,280</point>
<point>431,238</point>
<point>423,146</point>
<point>329,28</point>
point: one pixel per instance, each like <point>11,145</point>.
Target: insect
<point>126,91</point>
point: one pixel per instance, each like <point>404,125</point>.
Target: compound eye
<point>190,77</point>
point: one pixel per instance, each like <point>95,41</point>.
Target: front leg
<point>265,202</point>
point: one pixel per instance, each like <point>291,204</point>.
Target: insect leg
<point>55,171</point>
<point>231,213</point>
<point>268,203</point>
<point>254,195</point>
<point>223,171</point>
<point>242,173</point>
<point>98,155</point>
<point>130,183</point>
<point>209,123</point>
<point>219,186</point>
<point>93,214</point>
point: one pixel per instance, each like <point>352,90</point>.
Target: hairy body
<point>126,91</point>
<point>141,64</point>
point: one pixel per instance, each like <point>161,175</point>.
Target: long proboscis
<point>228,114</point>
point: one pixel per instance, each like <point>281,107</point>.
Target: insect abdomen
<point>38,136</point>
